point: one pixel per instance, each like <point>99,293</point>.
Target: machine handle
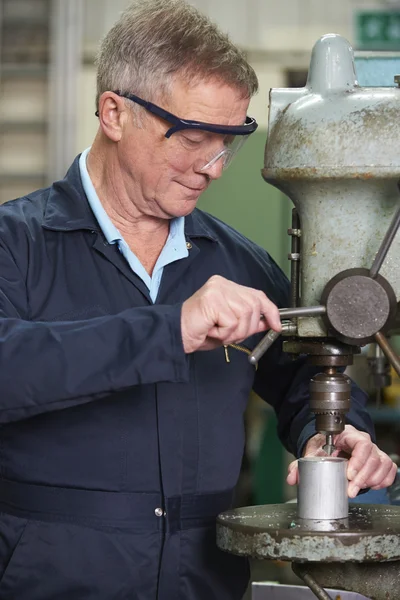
<point>388,351</point>
<point>386,243</point>
<point>289,328</point>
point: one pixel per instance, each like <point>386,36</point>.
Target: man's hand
<point>368,466</point>
<point>222,312</point>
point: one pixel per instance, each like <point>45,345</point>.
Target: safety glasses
<point>234,136</point>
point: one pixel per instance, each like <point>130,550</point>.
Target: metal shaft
<point>302,311</point>
<point>271,336</point>
<point>388,351</point>
<point>386,243</point>
<point>329,446</point>
<point>309,580</point>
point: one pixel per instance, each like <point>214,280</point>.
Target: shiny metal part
<point>322,490</point>
<point>329,447</point>
<point>271,336</point>
<point>271,532</point>
<point>302,311</point>
<point>330,394</point>
<point>263,346</point>
<point>289,328</point>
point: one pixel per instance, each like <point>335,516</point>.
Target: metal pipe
<point>263,346</point>
<point>302,311</point>
<point>385,245</point>
<point>322,489</point>
<point>288,328</point>
<point>388,351</point>
<point>314,586</point>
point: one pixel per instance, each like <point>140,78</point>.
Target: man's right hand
<point>223,312</point>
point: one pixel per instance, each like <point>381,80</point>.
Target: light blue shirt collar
<point>175,247</point>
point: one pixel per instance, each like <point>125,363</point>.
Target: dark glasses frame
<point>179,124</point>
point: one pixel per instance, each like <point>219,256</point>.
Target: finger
<point>225,328</point>
<point>270,312</point>
<point>359,446</point>
<point>246,323</point>
<point>257,323</point>
<point>379,476</point>
<point>389,479</point>
<point>360,481</point>
<point>293,473</point>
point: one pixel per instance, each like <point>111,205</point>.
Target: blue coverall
<point>117,450</point>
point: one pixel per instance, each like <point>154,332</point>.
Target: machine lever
<point>388,351</point>
<point>289,328</point>
<point>385,245</point>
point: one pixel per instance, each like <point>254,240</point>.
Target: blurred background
<point>47,104</point>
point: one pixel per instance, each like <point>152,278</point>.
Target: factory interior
<point>311,147</point>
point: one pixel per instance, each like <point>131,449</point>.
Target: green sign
<point>378,30</point>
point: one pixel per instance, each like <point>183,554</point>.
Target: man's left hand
<point>368,466</point>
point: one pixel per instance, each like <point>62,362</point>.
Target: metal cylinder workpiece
<point>322,489</point>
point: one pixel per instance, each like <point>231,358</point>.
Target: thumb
<point>293,473</point>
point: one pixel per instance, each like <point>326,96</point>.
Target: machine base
<point>272,532</point>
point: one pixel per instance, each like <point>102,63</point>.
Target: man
<point>122,402</point>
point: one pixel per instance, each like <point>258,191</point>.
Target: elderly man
<point>121,398</point>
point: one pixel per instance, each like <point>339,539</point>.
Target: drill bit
<point>329,446</point>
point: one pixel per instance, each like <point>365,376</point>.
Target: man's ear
<point>111,113</point>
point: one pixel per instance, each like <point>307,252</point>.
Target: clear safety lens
<point>232,145</point>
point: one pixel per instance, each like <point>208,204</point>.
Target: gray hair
<point>155,40</point>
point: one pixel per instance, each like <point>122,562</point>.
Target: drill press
<point>333,149</point>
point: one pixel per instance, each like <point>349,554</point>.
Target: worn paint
<point>267,532</point>
<point>333,149</point>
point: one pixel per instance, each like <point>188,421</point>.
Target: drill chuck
<point>330,394</point>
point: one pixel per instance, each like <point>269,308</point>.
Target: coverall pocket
<point>63,561</point>
<point>12,533</point>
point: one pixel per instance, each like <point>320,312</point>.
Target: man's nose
<point>215,166</point>
<point>214,170</point>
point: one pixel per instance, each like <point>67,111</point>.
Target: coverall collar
<point>68,210</point>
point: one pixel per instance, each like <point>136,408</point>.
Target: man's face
<point>165,176</point>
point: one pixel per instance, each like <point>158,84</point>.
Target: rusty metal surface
<point>272,532</point>
<point>333,149</point>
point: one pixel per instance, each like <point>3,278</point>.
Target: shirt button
<point>159,512</point>
<point>188,245</point>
